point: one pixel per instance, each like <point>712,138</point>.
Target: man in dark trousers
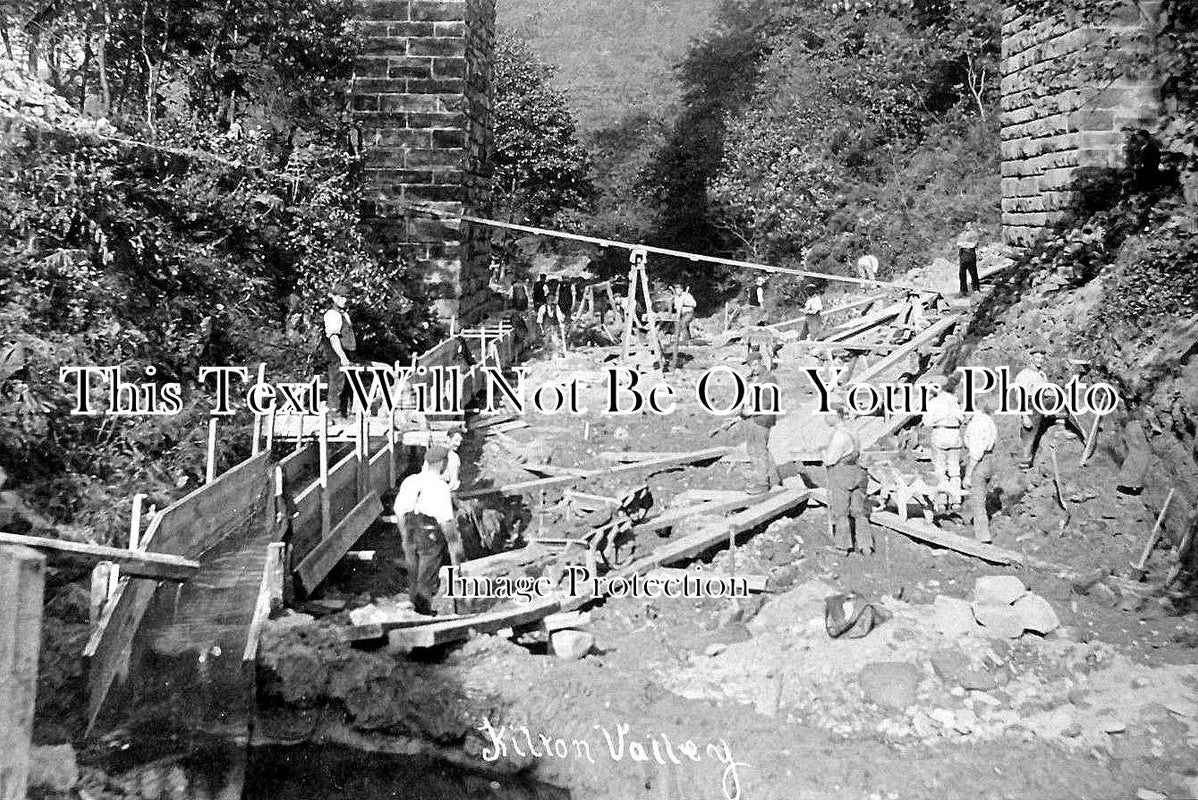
<point>427,527</point>
<point>847,481</point>
<point>758,424</point>
<point>967,252</point>
<point>340,347</point>
<point>540,298</point>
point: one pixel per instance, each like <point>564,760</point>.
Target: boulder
<point>890,684</point>
<point>571,645</point>
<point>978,680</point>
<point>1037,614</point>
<point>952,616</point>
<point>53,768</point>
<point>950,665</point>
<point>998,590</point>
<point>1002,621</point>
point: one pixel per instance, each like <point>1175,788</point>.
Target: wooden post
<point>210,472</point>
<point>270,430</point>
<point>630,304</point>
<point>654,341</point>
<point>258,417</point>
<point>22,583</point>
<point>101,590</point>
<point>325,513</point>
<point>363,453</point>
<point>391,471</point>
<point>135,522</point>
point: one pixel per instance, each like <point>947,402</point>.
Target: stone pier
<point>421,96</point>
<point>1057,115</point>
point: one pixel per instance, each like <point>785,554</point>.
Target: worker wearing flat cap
<point>758,424</point>
<point>340,348</point>
<point>428,530</point>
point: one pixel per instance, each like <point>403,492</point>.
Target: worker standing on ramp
<point>945,419</point>
<point>428,530</point>
<point>847,481</point>
<point>758,424</point>
<point>981,435</point>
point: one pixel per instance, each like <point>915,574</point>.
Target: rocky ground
<point>928,705</point>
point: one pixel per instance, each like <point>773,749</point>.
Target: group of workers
<point>424,507</point>
<point>962,449</point>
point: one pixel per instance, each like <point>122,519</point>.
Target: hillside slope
<point>615,57</point>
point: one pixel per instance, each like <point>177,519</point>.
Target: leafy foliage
<point>861,118</point>
<point>540,167</point>
<point>212,243</point>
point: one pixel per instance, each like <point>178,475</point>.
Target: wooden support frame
<point>928,334</point>
<point>770,507</point>
<point>134,563</point>
<point>270,596</point>
<point>317,564</point>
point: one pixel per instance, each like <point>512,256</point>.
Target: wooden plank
<point>547,483</point>
<point>921,531</point>
<point>136,563</point>
<point>555,471</point>
<point>636,455</point>
<point>270,596</point>
<point>772,506</point>
<point>676,516</point>
<point>320,562</point>
<point>568,620</point>
<point>380,473</point>
<point>864,301</point>
<point>926,335</point>
<point>855,327</point>
<point>22,581</point>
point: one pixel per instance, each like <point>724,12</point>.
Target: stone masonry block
<point>438,10</point>
<point>382,9</point>
<point>442,48</point>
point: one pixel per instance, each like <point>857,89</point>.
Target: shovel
<point>1139,571</point>
<point>726,425</point>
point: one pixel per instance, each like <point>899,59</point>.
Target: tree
<point>540,167</point>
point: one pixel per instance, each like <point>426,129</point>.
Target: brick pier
<point>1056,118</point>
<point>421,98</point>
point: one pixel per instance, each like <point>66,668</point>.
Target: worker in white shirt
<point>867,267</point>
<point>684,313</point>
<point>1032,424</point>
<point>847,481</point>
<point>912,319</point>
<point>424,515</point>
<point>981,435</point>
<point>453,461</point>
<point>945,418</point>
<point>813,309</point>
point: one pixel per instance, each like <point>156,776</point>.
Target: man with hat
<point>967,254</point>
<point>945,418</point>
<point>427,527</point>
<point>847,481</point>
<point>758,425</point>
<point>757,310</point>
<point>813,309</point>
<point>340,346</point>
<point>1034,424</point>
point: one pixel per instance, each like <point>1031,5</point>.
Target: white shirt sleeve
<point>405,498</point>
<point>332,322</point>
